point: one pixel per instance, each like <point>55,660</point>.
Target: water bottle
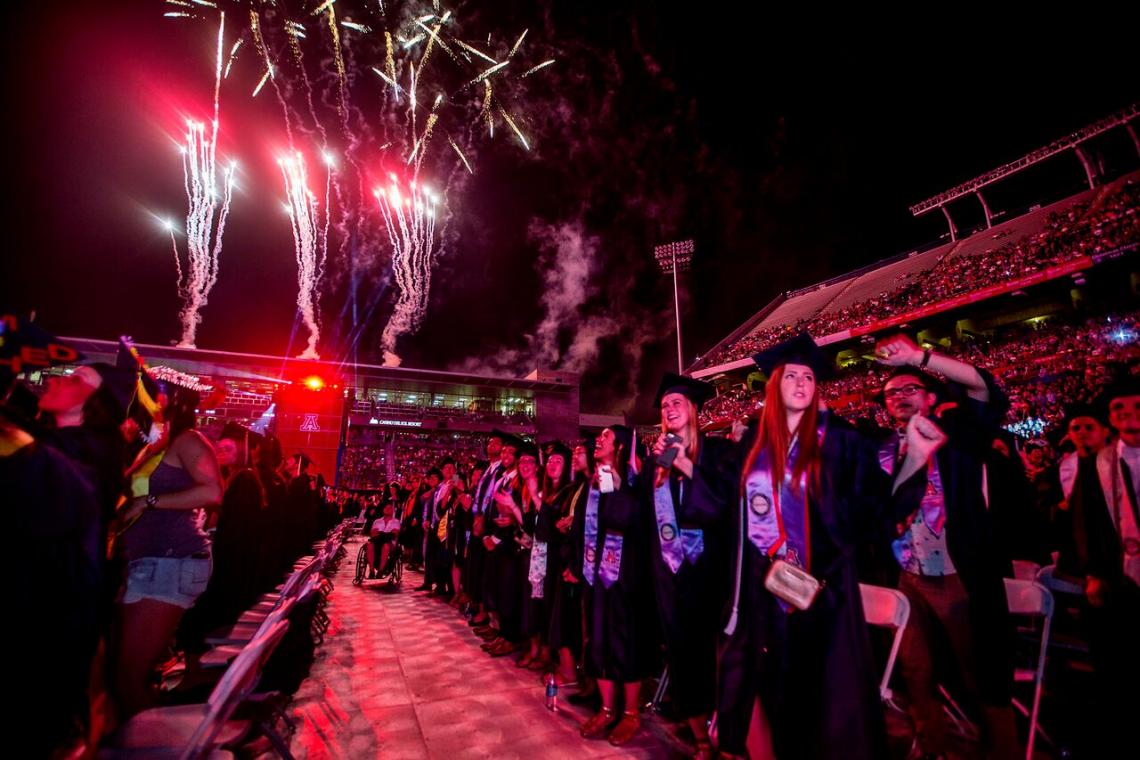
<point>552,694</point>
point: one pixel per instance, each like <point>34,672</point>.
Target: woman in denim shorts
<point>167,553</point>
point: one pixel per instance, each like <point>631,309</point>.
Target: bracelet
<point>925,358</point>
<point>151,501</point>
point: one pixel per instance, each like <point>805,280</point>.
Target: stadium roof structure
<point>831,296</point>
<point>280,369</point>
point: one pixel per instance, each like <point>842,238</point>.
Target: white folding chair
<point>1034,600</point>
<point>1024,570</point>
<point>886,608</point>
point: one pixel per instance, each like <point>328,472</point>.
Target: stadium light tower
<point>672,257</point>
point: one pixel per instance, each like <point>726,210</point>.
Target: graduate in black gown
<point>552,481</point>
<point>502,584</point>
<point>687,515</point>
<point>566,570</point>
<point>802,683</point>
<point>621,629</point>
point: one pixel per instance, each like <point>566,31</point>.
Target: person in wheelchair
<point>382,537</point>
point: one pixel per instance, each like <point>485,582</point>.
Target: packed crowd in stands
<point>1082,229</point>
<point>1042,365</point>
<point>364,461</point>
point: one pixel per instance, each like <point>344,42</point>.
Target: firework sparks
<point>409,217</point>
<point>476,51</point>
<point>356,27</point>
<point>511,122</point>
<point>517,44</point>
<point>488,72</point>
<point>462,157</point>
<point>233,55</point>
<point>310,242</point>
<point>203,236</point>
<point>539,67</point>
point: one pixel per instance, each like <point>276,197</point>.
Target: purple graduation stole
<point>777,521</point>
<point>610,566</point>
<point>671,550</point>
<point>677,544</point>
<point>590,541</point>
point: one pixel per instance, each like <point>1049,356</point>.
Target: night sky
<point>788,148</point>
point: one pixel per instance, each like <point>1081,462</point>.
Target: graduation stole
<point>537,572</point>
<point>484,490</point>
<point>677,544</point>
<point>591,536</point>
<point>777,519</point>
<point>609,565</point>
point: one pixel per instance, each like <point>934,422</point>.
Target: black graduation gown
<point>813,671</point>
<point>503,580</point>
<point>234,582</point>
<point>566,615</point>
<point>476,562</point>
<point>690,603</point>
<point>54,518</point>
<point>622,630</point>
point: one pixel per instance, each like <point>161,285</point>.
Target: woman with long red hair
<point>796,673</point>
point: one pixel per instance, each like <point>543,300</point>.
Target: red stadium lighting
<point>314,383</point>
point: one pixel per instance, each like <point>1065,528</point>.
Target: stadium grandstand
<point>1046,299</point>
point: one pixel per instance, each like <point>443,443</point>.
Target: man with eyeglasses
<point>950,561</point>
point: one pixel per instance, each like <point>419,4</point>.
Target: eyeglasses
<point>906,390</point>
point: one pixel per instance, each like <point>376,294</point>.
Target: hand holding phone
<point>666,457</point>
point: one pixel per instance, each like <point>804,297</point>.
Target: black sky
<point>788,148</point>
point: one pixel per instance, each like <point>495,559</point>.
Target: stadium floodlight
<point>673,257</point>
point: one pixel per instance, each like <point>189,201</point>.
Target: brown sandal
<point>626,728</point>
<point>596,725</point>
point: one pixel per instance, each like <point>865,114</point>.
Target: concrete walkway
<point>400,675</point>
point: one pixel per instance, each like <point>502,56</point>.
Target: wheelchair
<point>394,569</point>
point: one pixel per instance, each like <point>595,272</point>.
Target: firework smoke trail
<point>203,239</point>
<point>341,76</point>
<point>310,244</point>
<point>410,220</point>
<point>177,257</point>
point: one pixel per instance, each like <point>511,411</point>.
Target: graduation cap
<point>496,433</point>
<point>24,345</point>
<point>247,439</point>
<point>696,391</point>
<point>557,448</point>
<point>801,349</point>
<point>1082,409</point>
<point>513,441</point>
<point>526,449</point>
<point>122,384</point>
<point>1128,385</point>
<point>624,436</point>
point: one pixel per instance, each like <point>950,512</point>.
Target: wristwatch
<point>925,358</point>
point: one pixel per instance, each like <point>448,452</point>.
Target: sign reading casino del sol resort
<point>396,423</point>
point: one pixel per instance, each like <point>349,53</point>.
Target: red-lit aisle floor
<point>401,676</point>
